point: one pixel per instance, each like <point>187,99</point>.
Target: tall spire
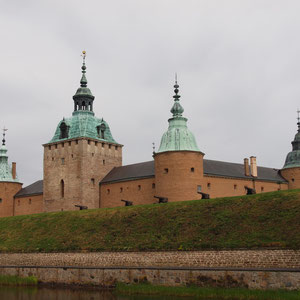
<point>176,109</point>
<point>83,99</point>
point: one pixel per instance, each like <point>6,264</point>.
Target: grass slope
<point>256,221</point>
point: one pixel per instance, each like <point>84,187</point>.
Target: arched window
<point>62,189</point>
<point>83,105</point>
<point>64,131</point>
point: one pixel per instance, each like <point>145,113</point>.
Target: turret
<point>291,168</point>
<point>178,161</point>
<point>9,183</point>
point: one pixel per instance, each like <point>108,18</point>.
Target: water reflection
<point>37,293</point>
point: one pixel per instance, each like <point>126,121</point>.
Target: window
<point>121,190</point>
<point>62,189</point>
<point>108,191</point>
<point>96,144</point>
<point>62,145</point>
<point>166,170</point>
<point>199,188</point>
<point>109,146</point>
<point>103,161</point>
<point>72,155</point>
<point>52,158</point>
<point>70,143</point>
<point>262,189</point>
<point>293,179</point>
<point>55,146</point>
<point>62,161</point>
<point>139,187</point>
<point>208,185</point>
<point>0,200</point>
<point>89,142</point>
<point>64,131</point>
<point>49,147</point>
<point>18,202</point>
<point>103,145</point>
<point>76,142</point>
<point>29,201</point>
<point>192,170</point>
<point>153,185</point>
<point>235,186</point>
<point>93,181</point>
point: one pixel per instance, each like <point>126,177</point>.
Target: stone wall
<point>259,269</point>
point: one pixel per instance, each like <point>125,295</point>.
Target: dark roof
<point>211,167</point>
<point>31,190</point>
<point>228,169</point>
<point>130,172</point>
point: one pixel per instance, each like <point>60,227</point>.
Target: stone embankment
<point>245,268</point>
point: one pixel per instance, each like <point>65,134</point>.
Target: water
<point>37,293</point>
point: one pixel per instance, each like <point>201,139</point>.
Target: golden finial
<point>83,55</point>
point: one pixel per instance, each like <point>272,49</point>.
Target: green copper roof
<point>293,157</point>
<point>5,169</point>
<point>178,137</point>
<point>83,122</point>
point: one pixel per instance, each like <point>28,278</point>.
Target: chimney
<point>14,170</point>
<point>246,167</point>
<point>253,166</point>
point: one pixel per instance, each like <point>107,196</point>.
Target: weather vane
<point>298,118</point>
<point>176,77</point>
<point>83,55</point>
<point>4,130</point>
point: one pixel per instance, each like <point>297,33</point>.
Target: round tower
<point>291,168</point>
<point>178,161</point>
<point>9,183</point>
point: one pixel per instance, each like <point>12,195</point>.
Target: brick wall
<point>28,205</point>
<point>7,192</point>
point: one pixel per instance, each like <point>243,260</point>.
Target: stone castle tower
<point>291,168</point>
<point>178,161</point>
<point>79,155</point>
<point>9,183</point>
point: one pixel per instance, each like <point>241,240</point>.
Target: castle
<point>83,168</point>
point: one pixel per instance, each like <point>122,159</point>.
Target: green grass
<point>17,281</point>
<point>205,293</point>
<point>268,220</point>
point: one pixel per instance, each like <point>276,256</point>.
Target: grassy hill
<point>257,221</point>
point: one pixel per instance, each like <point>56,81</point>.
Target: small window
<point>109,146</point>
<point>52,158</point>
<point>0,200</point>
<point>18,202</point>
<point>103,145</point>
<point>192,170</point>
<point>49,147</point>
<point>70,143</point>
<point>103,161</point>
<point>89,142</point>
<point>153,185</point>
<point>62,145</point>
<point>76,142</point>
<point>64,130</point>
<point>139,187</point>
<point>208,185</point>
<point>166,170</point>
<point>199,188</point>
<point>108,191</point>
<point>235,186</point>
<point>121,190</point>
<point>62,189</point>
<point>72,155</point>
<point>93,181</point>
<point>96,144</point>
<point>293,179</point>
<point>29,201</point>
<point>55,146</point>
<point>262,189</point>
<point>62,161</point>
<point>116,148</point>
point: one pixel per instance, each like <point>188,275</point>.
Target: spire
<point>3,140</point>
<point>83,81</point>
<point>176,109</point>
<point>83,99</point>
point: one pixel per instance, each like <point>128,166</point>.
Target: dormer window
<point>100,130</point>
<point>64,131</point>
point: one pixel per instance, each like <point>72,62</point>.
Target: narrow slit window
<point>139,187</point>
<point>62,189</point>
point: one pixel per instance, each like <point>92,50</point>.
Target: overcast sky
<point>237,61</point>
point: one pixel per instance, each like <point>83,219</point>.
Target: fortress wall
<point>255,269</point>
<point>141,191</point>
<point>7,192</point>
<point>28,205</point>
<point>228,187</point>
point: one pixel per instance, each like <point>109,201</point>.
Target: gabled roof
<point>211,168</point>
<point>31,190</point>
